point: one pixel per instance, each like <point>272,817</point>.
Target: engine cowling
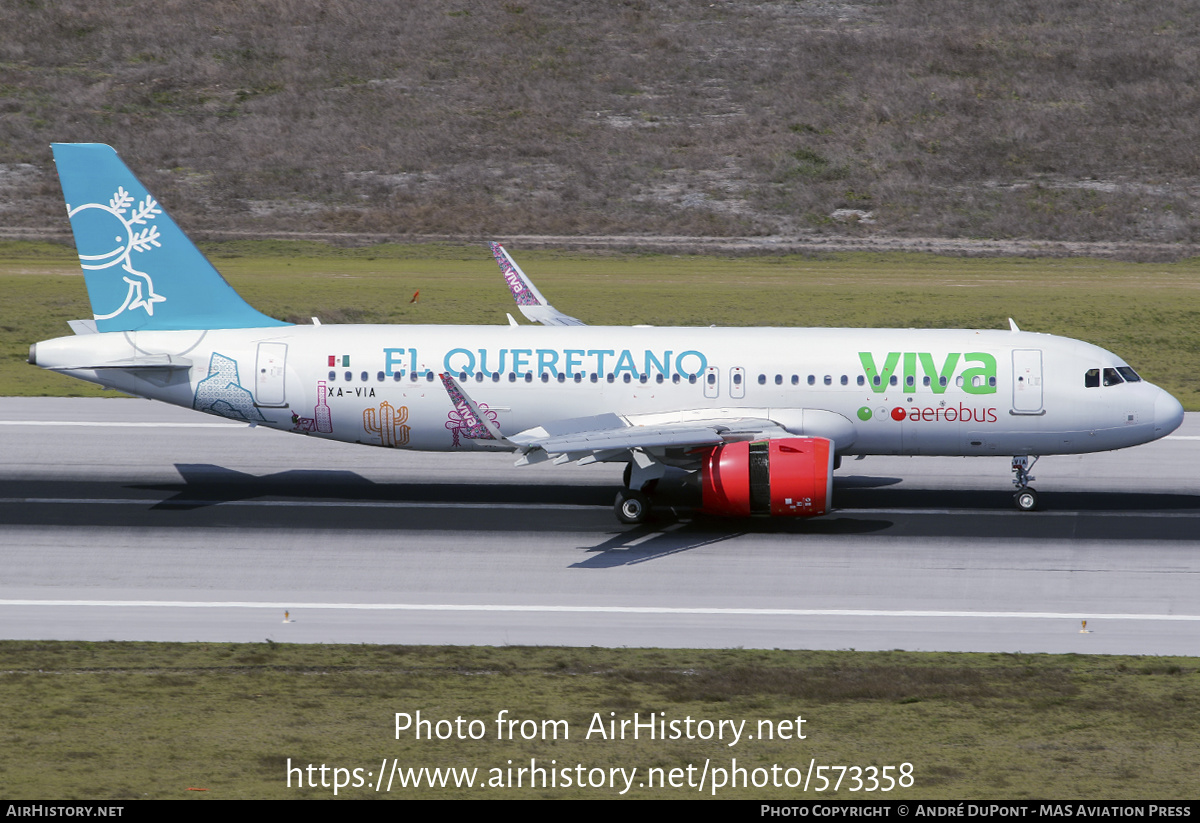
<point>790,477</point>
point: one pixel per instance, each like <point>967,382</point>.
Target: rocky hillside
<point>1057,120</point>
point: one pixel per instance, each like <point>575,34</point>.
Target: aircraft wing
<point>590,440</point>
<point>606,436</point>
<point>529,300</point>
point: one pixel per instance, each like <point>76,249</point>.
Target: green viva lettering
<point>916,366</point>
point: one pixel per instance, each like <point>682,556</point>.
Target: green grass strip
<point>136,720</point>
<point>1147,313</point>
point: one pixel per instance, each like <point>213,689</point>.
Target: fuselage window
<point>829,380</point>
<point>877,380</point>
<point>925,380</point>
<point>737,378</point>
<point>349,376</point>
<point>1129,374</point>
<point>894,381</point>
<point>1091,379</point>
<point>643,378</point>
<point>675,378</point>
<point>845,380</point>
<point>380,377</point>
<point>862,381</point>
<point>610,377</point>
<point>692,379</point>
<point>779,380</point>
<point>627,377</point>
<point>365,377</point>
<point>578,377</point>
<point>462,377</point>
<point>762,380</point>
<point>429,376</point>
<point>562,378</point>
<point>910,381</point>
<point>812,380</point>
<point>992,382</point>
<point>712,380</point>
<point>512,377</point>
<point>413,376</point>
<point>942,382</point>
<point>595,377</point>
<point>658,378</point>
<point>795,380</point>
<point>958,381</point>
<point>528,377</point>
<point>1111,378</point>
<point>396,376</point>
<point>495,377</point>
<point>332,376</point>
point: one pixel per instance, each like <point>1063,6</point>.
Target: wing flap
<point>631,437</point>
<point>604,437</point>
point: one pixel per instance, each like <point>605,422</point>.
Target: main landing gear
<point>633,505</point>
<point>1026,498</point>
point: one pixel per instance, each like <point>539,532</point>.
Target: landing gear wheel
<point>1026,500</point>
<point>632,507</point>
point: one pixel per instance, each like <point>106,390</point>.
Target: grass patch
<point>130,720</point>
<point>1147,313</point>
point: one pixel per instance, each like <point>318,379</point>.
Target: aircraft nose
<point>1168,414</point>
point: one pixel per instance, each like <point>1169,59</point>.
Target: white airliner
<point>749,421</point>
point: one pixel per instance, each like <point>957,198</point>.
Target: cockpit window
<point>1129,374</point>
<point>1091,379</point>
<point>1111,378</point>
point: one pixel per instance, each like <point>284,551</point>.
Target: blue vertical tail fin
<point>142,272</point>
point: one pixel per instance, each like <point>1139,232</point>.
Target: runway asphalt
<point>125,519</point>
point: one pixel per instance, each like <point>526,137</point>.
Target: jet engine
<point>791,477</point>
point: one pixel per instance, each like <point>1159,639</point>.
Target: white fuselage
<point>902,391</point>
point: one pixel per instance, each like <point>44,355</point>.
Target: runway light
<point>1084,629</point>
<point>286,618</point>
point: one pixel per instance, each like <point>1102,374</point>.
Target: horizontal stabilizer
<point>149,362</point>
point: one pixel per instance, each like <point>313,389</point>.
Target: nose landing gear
<point>1026,498</point>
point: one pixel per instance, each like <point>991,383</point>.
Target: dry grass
<point>131,720</point>
<point>1041,119</point>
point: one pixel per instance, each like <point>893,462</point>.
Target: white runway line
<point>296,608</point>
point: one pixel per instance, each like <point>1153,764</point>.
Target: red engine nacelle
<point>792,477</point>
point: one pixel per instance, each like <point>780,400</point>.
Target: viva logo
<point>977,370</point>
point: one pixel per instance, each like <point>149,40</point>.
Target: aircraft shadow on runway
<point>331,499</point>
<point>671,533</point>
<point>209,485</point>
